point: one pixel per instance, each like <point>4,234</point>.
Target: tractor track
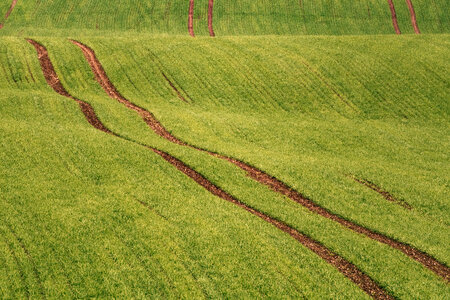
<point>394,17</point>
<point>260,176</point>
<point>210,18</point>
<point>11,8</point>
<point>412,12</point>
<point>191,18</point>
<point>174,88</point>
<point>349,270</point>
<point>19,267</point>
<point>30,259</point>
<point>385,194</point>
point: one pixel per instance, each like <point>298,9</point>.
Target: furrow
<point>19,267</point>
<point>394,17</point>
<point>349,270</point>
<point>174,88</point>
<point>30,258</point>
<point>11,8</point>
<point>329,85</point>
<point>412,12</point>
<point>191,18</point>
<point>260,176</point>
<point>386,195</point>
<point>210,18</point>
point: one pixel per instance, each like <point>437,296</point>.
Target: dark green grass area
<point>240,17</point>
<point>272,102</point>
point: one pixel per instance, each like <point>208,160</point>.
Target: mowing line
<point>210,18</point>
<point>349,270</point>
<point>386,195</point>
<point>412,12</point>
<point>191,18</point>
<point>394,17</point>
<point>260,176</point>
<point>11,8</point>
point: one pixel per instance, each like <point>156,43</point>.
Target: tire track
<point>210,18</point>
<point>412,12</point>
<point>260,176</point>
<point>11,8</point>
<point>341,264</point>
<point>174,88</point>
<point>30,258</point>
<point>394,17</point>
<point>19,267</point>
<point>386,195</point>
<point>191,18</point>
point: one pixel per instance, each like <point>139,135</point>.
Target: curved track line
<point>19,266</point>
<point>341,264</point>
<point>262,177</point>
<point>412,12</point>
<point>11,8</point>
<point>191,18</point>
<point>174,88</point>
<point>386,195</point>
<point>394,17</point>
<point>210,18</point>
<point>30,258</point>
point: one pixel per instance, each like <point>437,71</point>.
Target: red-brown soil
<point>210,17</point>
<point>191,18</point>
<point>394,17</point>
<point>11,8</point>
<point>412,12</point>
<point>260,176</point>
<point>345,267</point>
<point>386,195</point>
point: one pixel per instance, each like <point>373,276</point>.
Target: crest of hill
<point>240,17</point>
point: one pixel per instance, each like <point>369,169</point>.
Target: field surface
<point>224,149</point>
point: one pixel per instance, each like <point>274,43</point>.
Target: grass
<point>84,214</point>
<point>243,17</point>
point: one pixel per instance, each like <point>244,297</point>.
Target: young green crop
<point>313,149</point>
<point>239,17</point>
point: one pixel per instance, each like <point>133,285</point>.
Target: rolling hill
<point>301,152</point>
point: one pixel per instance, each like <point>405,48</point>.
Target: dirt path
<point>345,267</point>
<point>260,176</point>
<point>394,17</point>
<point>191,18</point>
<point>412,12</point>
<point>210,18</point>
<point>11,8</point>
<point>386,195</point>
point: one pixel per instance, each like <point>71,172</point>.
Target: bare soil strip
<point>191,18</point>
<point>210,18</point>
<point>174,87</point>
<point>341,264</point>
<point>52,79</point>
<point>386,195</point>
<point>394,17</point>
<point>11,8</point>
<point>412,12</point>
<point>260,176</point>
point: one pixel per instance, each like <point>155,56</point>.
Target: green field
<point>321,95</point>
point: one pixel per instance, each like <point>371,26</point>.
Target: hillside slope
<point>314,129</point>
<point>242,17</point>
